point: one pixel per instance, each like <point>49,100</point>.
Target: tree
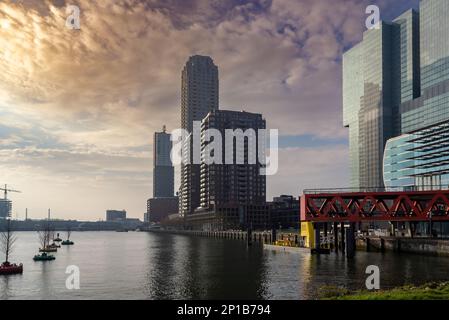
<point>45,234</point>
<point>7,239</point>
<point>69,232</point>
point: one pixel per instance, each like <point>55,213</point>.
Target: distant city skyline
<point>78,108</point>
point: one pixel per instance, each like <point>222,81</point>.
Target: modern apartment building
<point>396,101</point>
<point>199,96</point>
<point>232,188</point>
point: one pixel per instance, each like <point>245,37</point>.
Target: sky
<point>78,108</point>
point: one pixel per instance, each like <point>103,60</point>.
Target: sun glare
<point>5,24</point>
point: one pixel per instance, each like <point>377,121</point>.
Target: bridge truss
<point>326,206</point>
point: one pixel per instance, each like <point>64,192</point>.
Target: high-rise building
<point>164,202</point>
<point>163,170</point>
<point>199,96</point>
<point>199,93</point>
<point>370,101</point>
<point>5,208</point>
<point>396,101</point>
<point>233,183</point>
<point>233,190</point>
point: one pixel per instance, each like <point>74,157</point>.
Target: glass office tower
<point>370,101</point>
<point>352,93</point>
<point>163,170</point>
<point>434,42</point>
<point>408,69</point>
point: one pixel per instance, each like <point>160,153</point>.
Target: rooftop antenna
<point>26,214</point>
<point>48,214</point>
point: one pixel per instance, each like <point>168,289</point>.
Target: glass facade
<point>369,100</point>
<point>434,42</point>
<point>352,94</point>
<point>420,159</point>
<point>405,100</point>
<point>409,55</point>
<point>398,162</point>
<point>433,110</point>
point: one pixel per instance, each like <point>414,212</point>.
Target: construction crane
<point>6,190</point>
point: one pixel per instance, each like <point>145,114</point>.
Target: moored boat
<point>43,257</point>
<point>7,268</point>
<point>45,234</point>
<point>7,240</point>
<point>68,242</point>
<point>48,249</point>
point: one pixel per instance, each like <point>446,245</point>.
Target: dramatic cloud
<point>78,107</point>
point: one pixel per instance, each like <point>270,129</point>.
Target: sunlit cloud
<point>81,105</point>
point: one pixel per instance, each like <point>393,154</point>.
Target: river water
<point>140,265</point>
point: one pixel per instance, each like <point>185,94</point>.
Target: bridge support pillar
<point>317,228</point>
<point>327,244</point>
<point>342,230</point>
<point>336,236</point>
<point>350,241</point>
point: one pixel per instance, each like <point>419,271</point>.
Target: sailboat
<point>44,237</point>
<point>68,242</point>
<point>7,240</point>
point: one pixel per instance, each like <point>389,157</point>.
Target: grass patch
<point>429,291</point>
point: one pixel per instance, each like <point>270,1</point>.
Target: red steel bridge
<point>345,205</point>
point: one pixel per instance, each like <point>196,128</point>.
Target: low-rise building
<point>115,215</point>
<point>284,212</point>
<point>158,209</point>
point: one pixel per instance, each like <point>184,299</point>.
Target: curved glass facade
<point>398,162</point>
<point>420,159</point>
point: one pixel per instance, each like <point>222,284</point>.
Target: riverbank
<point>429,291</point>
<point>422,246</point>
<point>254,236</point>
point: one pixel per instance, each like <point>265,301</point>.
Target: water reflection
<point>197,268</point>
<point>159,266</point>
